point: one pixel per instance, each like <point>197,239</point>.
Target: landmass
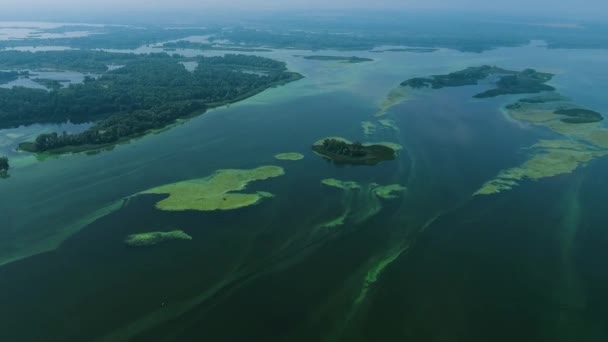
<point>4,167</point>
<point>147,94</point>
<point>415,50</point>
<point>154,238</point>
<point>49,83</point>
<point>220,191</point>
<point>527,81</point>
<point>342,151</point>
<point>185,44</point>
<point>578,115</point>
<point>350,60</point>
<point>289,156</point>
<point>9,76</point>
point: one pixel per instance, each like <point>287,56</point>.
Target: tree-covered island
<point>343,152</point>
<point>149,92</point>
<point>528,81</point>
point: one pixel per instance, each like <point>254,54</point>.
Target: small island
<point>4,166</point>
<point>154,238</point>
<point>578,115</point>
<point>341,151</point>
<point>349,60</point>
<point>528,81</point>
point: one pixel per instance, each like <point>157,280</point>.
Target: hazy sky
<point>550,7</point>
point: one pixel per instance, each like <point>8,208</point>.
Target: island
<point>578,115</point>
<point>528,81</point>
<point>154,238</point>
<point>343,59</point>
<point>4,166</point>
<point>341,151</point>
<point>147,94</point>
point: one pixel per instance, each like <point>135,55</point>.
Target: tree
<point>4,165</point>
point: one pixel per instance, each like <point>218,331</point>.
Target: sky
<point>563,8</point>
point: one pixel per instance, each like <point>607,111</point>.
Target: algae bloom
<point>289,156</point>
<point>340,184</point>
<point>388,191</point>
<point>154,238</point>
<point>216,192</point>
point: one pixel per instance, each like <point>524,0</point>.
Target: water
<point>434,264</point>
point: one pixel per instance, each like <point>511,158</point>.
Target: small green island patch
<point>154,238</point>
<point>343,59</point>
<point>342,151</point>
<point>578,115</point>
<point>293,156</point>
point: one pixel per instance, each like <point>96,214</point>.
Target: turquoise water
<point>433,264</point>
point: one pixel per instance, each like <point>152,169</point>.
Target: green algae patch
<point>292,156</point>
<point>388,191</point>
<point>389,124</point>
<point>563,157</point>
<point>216,192</point>
<point>395,97</point>
<point>368,127</point>
<point>340,184</point>
<point>154,238</point>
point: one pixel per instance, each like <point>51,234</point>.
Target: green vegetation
<point>369,127</point>
<point>578,115</point>
<point>216,192</point>
<point>343,152</point>
<point>9,76</point>
<point>289,156</point>
<point>111,37</point>
<point>185,44</point>
<point>146,94</point>
<point>50,84</point>
<point>4,166</point>
<point>340,184</point>
<point>350,60</point>
<point>415,50</point>
<point>388,191</point>
<point>527,81</point>
<point>468,76</point>
<point>154,238</point>
<point>74,60</point>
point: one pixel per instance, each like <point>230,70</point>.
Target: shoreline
<point>94,149</point>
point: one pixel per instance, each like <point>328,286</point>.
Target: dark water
<point>435,264</point>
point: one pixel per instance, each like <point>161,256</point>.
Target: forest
<point>149,92</point>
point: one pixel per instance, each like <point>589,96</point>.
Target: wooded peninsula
<point>147,93</point>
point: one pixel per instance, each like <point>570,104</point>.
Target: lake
<point>435,263</point>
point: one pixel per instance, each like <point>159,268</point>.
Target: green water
<point>435,264</point>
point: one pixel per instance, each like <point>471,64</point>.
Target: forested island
<point>343,59</point>
<point>578,115</point>
<point>341,151</point>
<point>148,93</point>
<point>528,81</point>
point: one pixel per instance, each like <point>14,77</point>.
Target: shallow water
<point>434,264</point>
